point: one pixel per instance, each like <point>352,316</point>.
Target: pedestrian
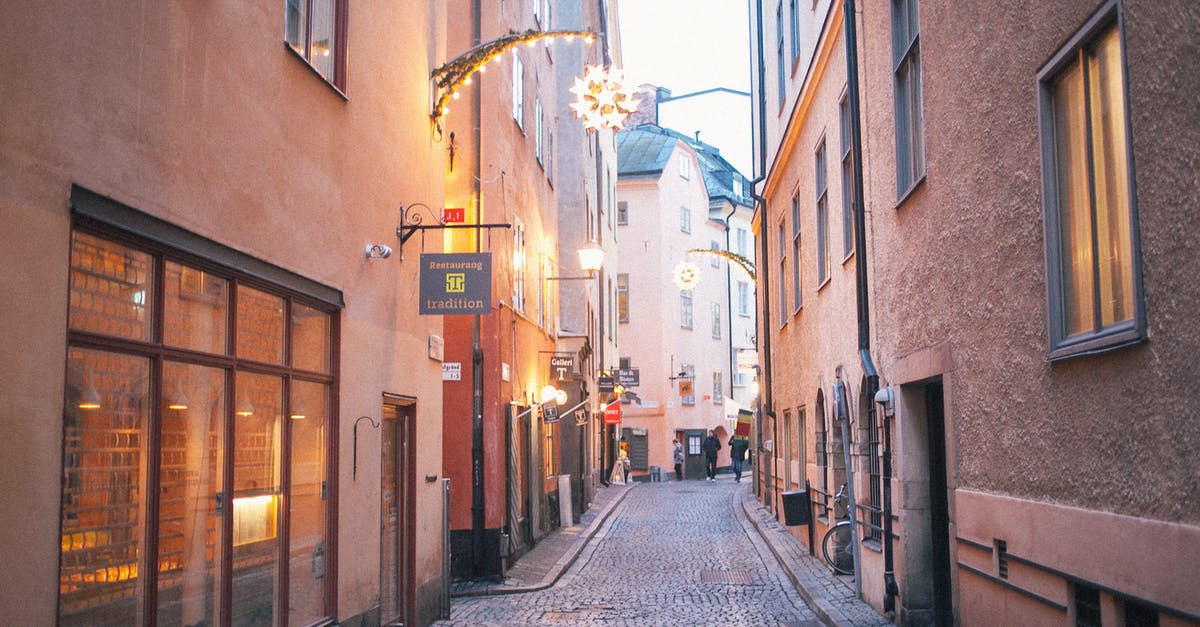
<point>678,457</point>
<point>710,446</point>
<point>738,448</point>
<point>625,465</point>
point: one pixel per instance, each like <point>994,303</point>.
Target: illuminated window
<point>1095,287</point>
<point>518,91</point>
<point>316,30</point>
<point>221,419</point>
<point>623,298</point>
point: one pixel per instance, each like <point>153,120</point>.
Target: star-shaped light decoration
<point>601,98</point>
<point>686,275</point>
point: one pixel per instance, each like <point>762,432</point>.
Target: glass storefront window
<point>196,309</point>
<point>104,479</point>
<point>110,288</point>
<point>132,414</point>
<point>307,542</point>
<point>310,338</point>
<point>259,325</point>
<point>191,451</point>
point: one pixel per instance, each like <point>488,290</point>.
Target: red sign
<point>612,414</point>
<point>451,215</point>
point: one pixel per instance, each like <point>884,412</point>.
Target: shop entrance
<point>396,510</point>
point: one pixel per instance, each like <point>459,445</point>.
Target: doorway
<point>929,595</point>
<point>396,510</point>
<point>693,457</point>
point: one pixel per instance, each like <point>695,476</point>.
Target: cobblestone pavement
<point>670,554</point>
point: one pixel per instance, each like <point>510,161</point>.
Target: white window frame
<point>518,91</point>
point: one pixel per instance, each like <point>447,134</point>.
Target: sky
<point>686,45</point>
<point>689,46</point>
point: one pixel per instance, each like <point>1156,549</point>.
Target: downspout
<point>477,491</point>
<point>729,300</point>
<point>850,19</point>
<point>763,266</point>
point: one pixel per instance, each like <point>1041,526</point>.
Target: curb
<point>564,562</point>
<point>817,605</point>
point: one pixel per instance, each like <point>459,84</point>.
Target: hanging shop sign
<point>604,383</point>
<point>550,412</point>
<point>562,367</point>
<point>685,388</point>
<point>612,414</point>
<point>456,283</point>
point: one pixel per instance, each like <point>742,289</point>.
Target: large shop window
<point>196,450</point>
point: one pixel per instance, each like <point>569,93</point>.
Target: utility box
<point>565,518</point>
<point>797,509</point>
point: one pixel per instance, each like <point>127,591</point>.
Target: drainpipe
<point>477,492</point>
<point>729,299</point>
<point>766,405</point>
<point>850,19</point>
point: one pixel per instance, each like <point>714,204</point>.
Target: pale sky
<point>686,45</point>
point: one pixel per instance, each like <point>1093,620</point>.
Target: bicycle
<point>836,546</point>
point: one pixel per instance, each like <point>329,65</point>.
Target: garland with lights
<point>742,262</point>
<point>458,71</point>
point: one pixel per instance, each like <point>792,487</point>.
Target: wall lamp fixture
<point>591,258</point>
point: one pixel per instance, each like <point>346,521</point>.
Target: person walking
<point>710,446</point>
<point>677,455</point>
<point>738,447</point>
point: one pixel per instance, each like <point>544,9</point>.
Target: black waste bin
<point>796,508</point>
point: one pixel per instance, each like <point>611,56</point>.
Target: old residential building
<point>1027,302</point>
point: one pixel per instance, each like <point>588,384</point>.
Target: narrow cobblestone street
<point>671,554</point>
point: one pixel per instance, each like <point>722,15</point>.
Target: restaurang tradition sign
<point>456,283</point>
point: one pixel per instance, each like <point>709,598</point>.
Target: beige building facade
<point>222,407</point>
<point>1027,279</point>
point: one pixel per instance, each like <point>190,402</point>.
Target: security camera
<point>378,251</point>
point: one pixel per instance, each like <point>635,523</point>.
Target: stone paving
<point>693,552</point>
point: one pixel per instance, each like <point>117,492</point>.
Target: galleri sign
<point>456,283</point>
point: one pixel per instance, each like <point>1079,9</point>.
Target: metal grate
<point>726,576</point>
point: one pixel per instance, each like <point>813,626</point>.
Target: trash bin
<point>796,508</point>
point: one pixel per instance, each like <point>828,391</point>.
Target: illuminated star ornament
<point>601,98</point>
<point>686,275</point>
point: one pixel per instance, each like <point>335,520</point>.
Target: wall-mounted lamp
<point>90,399</point>
<point>551,393</point>
<point>591,259</point>
<point>378,251</point>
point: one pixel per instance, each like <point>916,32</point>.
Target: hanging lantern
<point>686,275</point>
<point>601,98</point>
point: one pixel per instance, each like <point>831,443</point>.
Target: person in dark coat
<point>710,446</point>
<point>738,447</point>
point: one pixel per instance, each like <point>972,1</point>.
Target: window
<point>716,320</point>
<point>685,220</point>
<point>714,260</point>
<point>743,298</point>
<point>783,307</point>
<point>742,237</point>
<point>874,497</point>
<point>685,167</point>
<point>822,216</point>
<point>518,91</point>
<point>685,309</point>
<point>739,188</point>
<point>316,30</point>
<point>518,266</point>
<point>537,130</point>
<point>622,212</point>
<point>548,450</point>
<point>1094,280</point>
<point>848,191</point>
<point>797,300</point>
<point>906,57</point>
<point>253,414</point>
<point>623,298</point>
<point>718,388</point>
<point>779,62</point>
<point>795,23</point>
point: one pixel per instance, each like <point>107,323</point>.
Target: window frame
<point>908,97</point>
<point>686,304</point>
<point>821,181</point>
<point>716,321</point>
<point>164,244</point>
<point>623,297</point>
<point>779,55</point>
<point>849,210</point>
<point>685,220</point>
<point>518,91</point>
<point>797,283</point>
<point>341,17</point>
<point>1126,332</point>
